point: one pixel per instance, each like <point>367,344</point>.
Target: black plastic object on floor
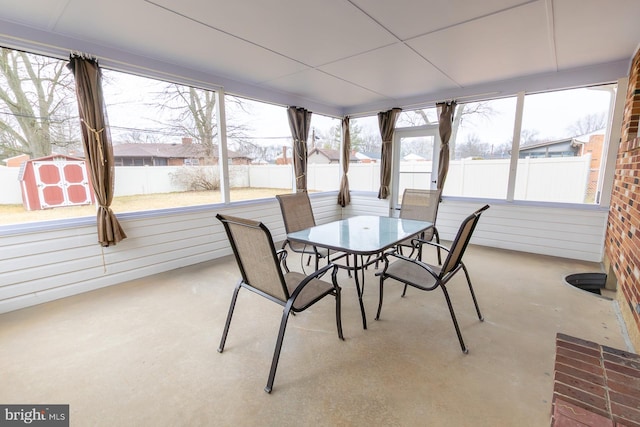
<point>591,282</point>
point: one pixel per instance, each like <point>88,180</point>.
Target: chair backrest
<point>256,256</point>
<point>421,205</point>
<point>297,215</point>
<point>296,211</point>
<point>461,241</point>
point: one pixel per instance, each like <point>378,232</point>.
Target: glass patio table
<point>363,235</point>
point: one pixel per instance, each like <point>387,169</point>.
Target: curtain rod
<point>83,55</point>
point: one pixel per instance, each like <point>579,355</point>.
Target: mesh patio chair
<point>426,277</point>
<point>260,266</point>
<point>421,205</point>
<point>297,215</point>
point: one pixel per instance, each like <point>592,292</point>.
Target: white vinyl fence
<point>544,179</point>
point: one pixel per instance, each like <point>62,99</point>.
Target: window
<point>167,151</point>
<point>259,149</point>
<point>480,149</point>
<point>41,173</point>
<point>324,155</point>
<point>413,160</point>
<point>367,144</point>
<point>416,144</point>
<point>165,136</point>
<point>562,145</point>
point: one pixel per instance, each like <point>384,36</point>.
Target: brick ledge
<point>594,385</point>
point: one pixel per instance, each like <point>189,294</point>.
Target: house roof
<point>373,154</point>
<point>413,157</point>
<point>538,144</point>
<point>167,151</point>
<point>332,155</point>
<point>586,137</point>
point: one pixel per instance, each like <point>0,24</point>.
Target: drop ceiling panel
<point>36,13</point>
<point>310,31</point>
<point>269,49</point>
<point>395,71</point>
<point>173,39</point>
<point>585,36</point>
<point>510,44</point>
<point>324,88</point>
<point>410,18</point>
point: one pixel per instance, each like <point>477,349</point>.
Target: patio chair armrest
<point>282,254</point>
<point>316,275</point>
<point>411,260</point>
<point>428,242</point>
<point>319,273</point>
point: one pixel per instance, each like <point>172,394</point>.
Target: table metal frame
<point>360,236</point>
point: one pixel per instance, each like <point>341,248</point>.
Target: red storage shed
<point>54,181</point>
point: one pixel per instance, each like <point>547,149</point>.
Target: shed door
<point>62,183</point>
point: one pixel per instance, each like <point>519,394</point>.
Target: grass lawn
<point>15,214</point>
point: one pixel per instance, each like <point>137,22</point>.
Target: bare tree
<point>192,113</point>
<point>37,105</point>
<point>417,118</point>
<point>529,136</point>
<point>473,147</point>
<point>588,124</point>
<point>137,136</point>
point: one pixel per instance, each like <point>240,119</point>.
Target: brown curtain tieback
<point>98,140</point>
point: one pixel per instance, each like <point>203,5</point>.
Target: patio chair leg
<point>404,291</point>
<point>435,233</point>
<point>473,295</point>
<point>380,297</point>
<point>229,315</point>
<point>276,353</point>
<point>337,294</point>
<point>455,322</point>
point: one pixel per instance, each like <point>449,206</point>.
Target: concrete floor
<point>144,353</point>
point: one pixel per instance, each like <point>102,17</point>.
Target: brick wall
<point>622,242</point>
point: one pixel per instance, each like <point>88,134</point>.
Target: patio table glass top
<point>360,235</point>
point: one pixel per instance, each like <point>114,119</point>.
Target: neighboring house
<point>284,159</point>
<point>589,144</point>
<point>567,147</point>
<point>326,156</point>
<point>368,157</point>
<point>16,161</point>
<point>185,154</point>
<point>592,144</point>
<point>413,158</point>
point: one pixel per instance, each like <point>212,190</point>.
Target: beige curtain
<point>97,144</point>
<point>299,122</point>
<point>344,197</point>
<point>387,123</point>
<point>445,123</point>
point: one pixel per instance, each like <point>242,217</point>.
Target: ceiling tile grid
<point>340,53</point>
